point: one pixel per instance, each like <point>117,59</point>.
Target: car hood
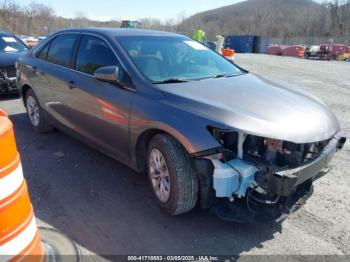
<point>256,106</point>
<point>8,58</point>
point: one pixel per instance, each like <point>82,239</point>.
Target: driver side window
<point>94,53</point>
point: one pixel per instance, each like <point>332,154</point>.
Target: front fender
<point>23,76</point>
<point>188,128</point>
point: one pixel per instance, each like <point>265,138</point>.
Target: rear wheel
<point>171,175</point>
<point>35,113</point>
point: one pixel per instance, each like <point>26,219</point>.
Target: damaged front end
<point>253,179</point>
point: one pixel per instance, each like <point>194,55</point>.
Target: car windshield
<point>170,59</point>
<point>11,44</point>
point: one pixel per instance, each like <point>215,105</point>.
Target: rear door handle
<point>71,84</point>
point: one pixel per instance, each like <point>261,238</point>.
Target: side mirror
<point>107,73</point>
<point>115,75</point>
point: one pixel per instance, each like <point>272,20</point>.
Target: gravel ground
<point>108,209</point>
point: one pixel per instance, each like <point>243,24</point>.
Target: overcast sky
<point>130,9</point>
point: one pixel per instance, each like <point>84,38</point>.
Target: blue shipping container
<point>264,45</point>
<point>247,43</point>
<point>261,44</point>
<point>240,43</point>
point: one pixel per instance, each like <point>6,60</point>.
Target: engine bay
<point>249,166</point>
<point>264,174</point>
<point>275,153</point>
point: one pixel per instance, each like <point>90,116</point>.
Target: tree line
<point>280,20</point>
<point>37,19</point>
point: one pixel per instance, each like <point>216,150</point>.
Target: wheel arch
<point>24,90</point>
<point>142,143</point>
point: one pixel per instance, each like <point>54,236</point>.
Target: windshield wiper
<point>171,80</point>
<point>227,75</point>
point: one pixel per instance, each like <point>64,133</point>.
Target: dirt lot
<point>108,209</point>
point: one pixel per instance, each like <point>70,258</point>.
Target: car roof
<point>2,33</point>
<point>120,32</point>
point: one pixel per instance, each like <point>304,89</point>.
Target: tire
<point>182,179</point>
<point>35,113</point>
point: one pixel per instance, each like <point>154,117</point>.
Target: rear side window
<point>61,50</point>
<point>94,53</point>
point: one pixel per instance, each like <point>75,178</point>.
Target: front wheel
<point>173,181</point>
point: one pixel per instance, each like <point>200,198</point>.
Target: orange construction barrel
<point>19,234</point>
<point>228,52</point>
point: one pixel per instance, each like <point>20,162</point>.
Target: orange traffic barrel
<point>228,52</point>
<point>19,234</point>
<point>301,53</point>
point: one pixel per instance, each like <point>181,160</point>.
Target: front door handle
<point>71,84</point>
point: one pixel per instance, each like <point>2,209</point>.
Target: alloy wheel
<point>159,174</point>
<point>33,111</point>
